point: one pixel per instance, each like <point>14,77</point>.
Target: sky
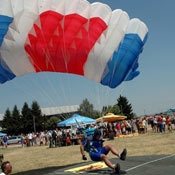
<point>153,91</point>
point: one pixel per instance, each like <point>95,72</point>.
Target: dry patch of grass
<point>24,159</point>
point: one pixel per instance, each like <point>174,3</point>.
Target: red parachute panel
<point>62,43</point>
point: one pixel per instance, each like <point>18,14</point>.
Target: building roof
<point>1,117</point>
<point>59,110</point>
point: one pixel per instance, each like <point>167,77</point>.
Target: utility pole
<point>34,127</point>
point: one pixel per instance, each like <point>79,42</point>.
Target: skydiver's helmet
<point>97,132</point>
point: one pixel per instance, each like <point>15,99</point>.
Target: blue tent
<point>76,117</point>
<point>170,112</point>
<point>2,134</point>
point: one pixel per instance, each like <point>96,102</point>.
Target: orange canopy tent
<point>110,117</point>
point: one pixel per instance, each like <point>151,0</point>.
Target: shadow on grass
<point>43,171</point>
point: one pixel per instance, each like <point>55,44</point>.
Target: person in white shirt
<point>6,168</point>
<point>30,139</point>
<point>164,123</point>
<point>155,124</point>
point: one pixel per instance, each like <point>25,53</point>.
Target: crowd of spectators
<point>161,123</point>
<point>71,136</point>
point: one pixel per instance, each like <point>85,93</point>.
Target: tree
<point>7,122</point>
<point>38,119</point>
<point>45,119</point>
<point>135,115</point>
<point>27,119</point>
<point>52,122</point>
<point>125,107</point>
<point>96,114</point>
<point>16,119</point>
<point>111,109</point>
<point>86,108</point>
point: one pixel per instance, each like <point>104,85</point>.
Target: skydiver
<point>84,141</point>
<point>98,152</point>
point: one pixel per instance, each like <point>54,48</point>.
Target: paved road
<point>138,165</point>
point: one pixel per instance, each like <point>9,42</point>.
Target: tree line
<point>31,119</point>
<point>122,107</point>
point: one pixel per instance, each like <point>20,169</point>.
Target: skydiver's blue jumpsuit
<point>88,134</point>
<point>93,147</point>
<point>96,150</point>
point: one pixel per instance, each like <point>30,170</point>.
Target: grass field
<point>38,157</point>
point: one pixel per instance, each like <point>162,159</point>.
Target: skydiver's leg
<point>111,148</point>
<point>116,168</point>
<point>107,161</point>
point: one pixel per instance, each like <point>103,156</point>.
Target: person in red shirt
<point>168,122</point>
<point>118,127</point>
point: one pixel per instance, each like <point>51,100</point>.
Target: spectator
<point>50,139</point>
<point>46,135</point>
<point>54,137</point>
<point>30,139</point>
<point>6,168</point>
<point>164,123</point>
<point>141,127</point>
<point>128,126</point>
<point>145,124</point>
<point>22,140</point>
<point>1,141</point>
<point>34,138</point>
<point>168,122</point>
<point>41,138</point>
<point>155,124</point>
<point>5,141</point>
<point>27,141</point>
<point>118,128</point>
<point>68,141</point>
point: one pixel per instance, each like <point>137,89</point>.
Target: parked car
<point>14,139</point>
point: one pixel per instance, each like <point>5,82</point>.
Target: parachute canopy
<point>69,36</point>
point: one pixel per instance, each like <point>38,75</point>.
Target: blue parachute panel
<point>4,25</point>
<point>5,72</point>
<point>124,62</point>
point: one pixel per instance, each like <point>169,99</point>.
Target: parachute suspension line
<point>56,93</point>
<point>22,90</point>
<point>37,84</point>
<point>66,59</point>
<point>25,92</point>
<point>44,92</point>
<point>48,61</point>
<point>63,95</point>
